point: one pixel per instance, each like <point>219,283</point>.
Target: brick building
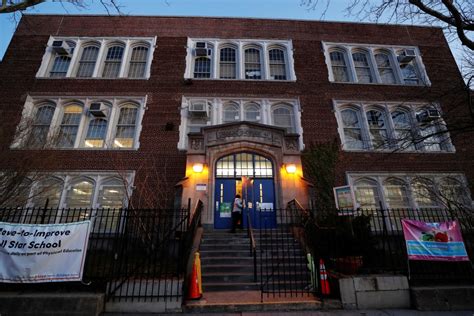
<point>149,110</point>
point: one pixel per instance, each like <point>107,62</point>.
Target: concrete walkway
<point>392,312</point>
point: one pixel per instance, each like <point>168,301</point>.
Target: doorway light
<point>198,167</point>
<point>290,168</point>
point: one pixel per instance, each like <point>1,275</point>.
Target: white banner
<point>31,253</point>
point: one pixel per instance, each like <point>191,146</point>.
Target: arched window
<point>227,63</point>
<point>40,126</point>
<point>377,129</point>
<point>253,67</point>
<point>113,62</point>
<point>424,193</point>
<point>15,193</point>
<point>282,116</point>
<point>244,164</point>
<point>61,62</point>
<point>403,129</point>
<point>396,194</point>
<point>433,134</point>
<point>88,61</point>
<point>202,67</point>
<point>453,193</point>
<point>362,67</point>
<point>339,66</point>
<point>367,194</point>
<point>352,129</point>
<point>384,66</point>
<point>71,119</point>
<point>277,64</point>
<point>111,199</point>
<point>138,60</point>
<point>96,133</point>
<point>79,196</point>
<point>252,112</point>
<point>231,113</point>
<point>126,127</point>
<point>409,69</point>
<point>48,190</point>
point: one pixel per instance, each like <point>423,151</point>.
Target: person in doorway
<point>236,213</point>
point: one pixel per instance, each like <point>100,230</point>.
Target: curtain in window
<point>227,64</point>
<point>87,62</point>
<point>339,67</point>
<point>202,67</point>
<point>69,126</point>
<point>40,128</point>
<point>126,126</point>
<point>96,133</point>
<point>352,129</point>
<point>138,62</point>
<point>252,64</point>
<point>283,117</point>
<point>252,112</point>
<point>113,61</point>
<point>277,64</point>
<point>377,129</point>
<point>362,67</point>
<point>385,68</point>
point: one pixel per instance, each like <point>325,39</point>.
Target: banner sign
<point>43,253</point>
<point>344,198</point>
<point>434,241</point>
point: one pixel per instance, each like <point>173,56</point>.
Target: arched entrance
<point>252,177</point>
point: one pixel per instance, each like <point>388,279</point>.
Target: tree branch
<point>12,7</point>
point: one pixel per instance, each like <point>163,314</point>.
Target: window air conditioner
<point>428,115</point>
<point>61,48</point>
<point>98,109</point>
<point>407,55</point>
<point>202,50</point>
<point>198,109</point>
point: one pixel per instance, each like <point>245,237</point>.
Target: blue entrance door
<point>250,176</point>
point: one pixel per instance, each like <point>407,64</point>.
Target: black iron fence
<point>132,254</point>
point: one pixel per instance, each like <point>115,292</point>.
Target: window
<point>49,191</point>
<point>377,129</point>
<point>241,59</point>
<point>283,117</point>
<point>252,112</point>
<point>453,193</point>
<point>366,194</point>
<point>96,133</point>
<point>253,67</point>
<point>138,60</point>
<point>113,62</point>
<point>87,62</point>
<point>97,57</point>
<point>362,67</point>
<point>126,126</point>
<point>277,64</point>
<point>69,126</point>
<point>424,193</point>
<point>41,125</point>
<point>244,164</point>
<point>78,201</point>
<point>111,200</point>
<point>339,66</point>
<point>231,113</point>
<point>352,129</point>
<point>227,66</point>
<point>19,192</point>
<point>385,69</point>
<point>391,127</point>
<point>396,193</point>
<point>395,65</point>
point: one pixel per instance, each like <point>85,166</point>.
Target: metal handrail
<point>253,246</point>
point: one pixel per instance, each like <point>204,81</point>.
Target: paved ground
<point>329,313</point>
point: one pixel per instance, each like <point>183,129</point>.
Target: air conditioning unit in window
<point>407,55</point>
<point>61,48</point>
<point>198,108</point>
<point>202,50</point>
<point>428,115</point>
<point>98,109</point>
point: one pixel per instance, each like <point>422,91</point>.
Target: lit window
<point>352,129</point>
<point>138,61</point>
<point>362,67</point>
<point>377,129</point>
<point>231,113</point>
<point>113,62</point>
<point>253,66</point>
<point>396,193</point>
<point>111,200</point>
<point>366,194</point>
<point>252,112</point>
<point>283,117</point>
<point>277,64</point>
<point>385,68</point>
<point>244,164</point>
<point>202,67</point>
<point>227,64</point>
<point>40,127</point>
<point>126,126</point>
<point>79,196</point>
<point>69,126</point>
<point>339,66</point>
<point>87,62</point>
<point>96,133</point>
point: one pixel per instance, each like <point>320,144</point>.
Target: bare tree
<point>12,6</point>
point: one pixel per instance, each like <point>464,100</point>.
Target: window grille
<point>385,68</point>
<point>362,67</point>
<point>202,67</point>
<point>252,64</point>
<point>87,62</point>
<point>40,127</point>
<point>138,61</point>
<point>96,133</point>
<point>283,117</point>
<point>126,126</point>
<point>277,64</point>
<point>60,67</point>
<point>244,164</point>
<point>69,126</point>
<point>339,67</point>
<point>113,61</point>
<point>227,63</point>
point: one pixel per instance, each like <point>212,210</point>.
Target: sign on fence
<point>32,253</point>
<point>345,201</point>
<point>434,241</point>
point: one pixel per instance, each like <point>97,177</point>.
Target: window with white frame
<point>103,123</point>
<point>97,57</point>
<point>240,59</point>
<point>197,113</point>
<point>380,64</point>
<point>392,126</point>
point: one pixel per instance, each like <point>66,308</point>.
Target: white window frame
<point>103,43</point>
<point>240,45</point>
<point>371,50</point>
<point>387,108</point>
<point>216,113</point>
<point>115,103</point>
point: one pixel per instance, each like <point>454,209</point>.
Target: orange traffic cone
<point>325,290</point>
<point>194,292</point>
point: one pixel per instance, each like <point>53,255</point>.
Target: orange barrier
<point>195,289</point>
<point>325,290</point>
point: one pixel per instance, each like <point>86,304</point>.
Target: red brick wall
<point>165,86</point>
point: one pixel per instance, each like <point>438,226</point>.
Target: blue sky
<point>290,9</point>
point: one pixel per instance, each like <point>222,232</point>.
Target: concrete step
<point>227,268</point>
<point>244,261</point>
<point>242,277</point>
<point>222,287</point>
<point>236,247</point>
<point>224,253</point>
<point>227,278</point>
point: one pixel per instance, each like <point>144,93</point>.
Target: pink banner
<point>434,241</point>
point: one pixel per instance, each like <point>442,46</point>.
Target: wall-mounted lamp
<point>198,167</point>
<point>290,168</point>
